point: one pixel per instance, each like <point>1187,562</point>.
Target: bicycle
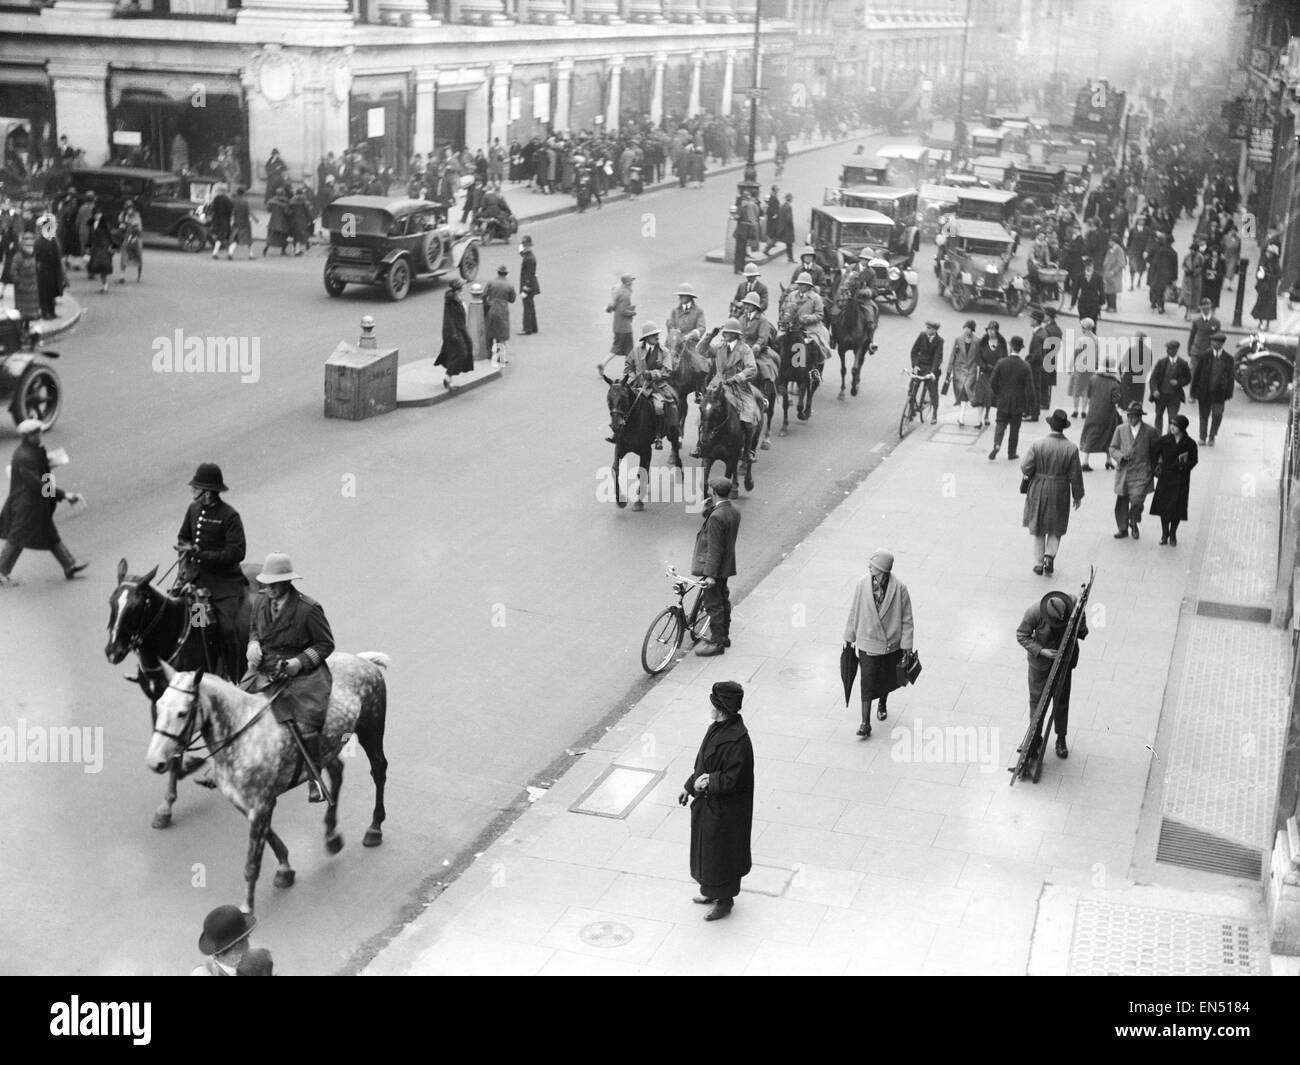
<point>664,637</point>
<point>918,401</point>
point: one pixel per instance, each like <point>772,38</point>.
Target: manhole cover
<point>797,673</point>
<point>606,934</point>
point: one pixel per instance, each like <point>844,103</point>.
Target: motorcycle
<point>1265,365</point>
<point>496,227</point>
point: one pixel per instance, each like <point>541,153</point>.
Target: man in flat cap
<point>715,561</point>
<point>1213,381</point>
<point>927,358</point>
<point>1040,633</point>
<point>1169,376</point>
<point>1133,448</point>
<point>720,791</point>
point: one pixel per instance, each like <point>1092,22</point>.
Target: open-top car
<point>838,231</point>
<point>165,211</point>
<point>28,385</point>
<point>375,240</point>
<point>976,267</point>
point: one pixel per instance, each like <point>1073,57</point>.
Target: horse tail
<point>377,657</point>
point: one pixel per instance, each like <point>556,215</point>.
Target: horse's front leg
<point>843,374</point>
<point>162,817</point>
<point>785,408</point>
<point>641,491</point>
<point>333,837</point>
<point>284,874</point>
<point>615,472</point>
<point>859,357</point>
<point>259,826</point>
<point>771,413</point>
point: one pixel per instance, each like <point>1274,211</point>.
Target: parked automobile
<point>976,267</point>
<point>29,386</point>
<point>375,240</point>
<point>1266,365</point>
<point>165,211</point>
<point>866,234</point>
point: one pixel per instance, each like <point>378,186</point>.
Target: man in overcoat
<point>1213,382</point>
<point>212,544</point>
<point>1052,473</point>
<point>1132,453</point>
<point>720,791</point>
<point>1040,633</point>
<point>1169,376</point>
<point>289,640</point>
<point>1091,292</point>
<point>715,560</point>
<point>498,294</point>
<point>27,519</point>
<point>1034,360</point>
<point>529,289</point>
<point>1013,395</point>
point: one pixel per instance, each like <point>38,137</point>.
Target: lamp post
<point>959,125</point>
<point>750,175</point>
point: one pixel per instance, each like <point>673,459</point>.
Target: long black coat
<point>715,543</point>
<point>457,355</point>
<point>1013,387</point>
<point>528,285</point>
<point>1091,296</point>
<point>1174,461</point>
<point>722,817</point>
<point>27,519</point>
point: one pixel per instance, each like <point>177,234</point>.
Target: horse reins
<point>186,739</point>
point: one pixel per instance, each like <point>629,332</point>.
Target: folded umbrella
<point>848,669</point>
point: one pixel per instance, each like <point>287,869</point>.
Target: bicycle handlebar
<point>918,376</point>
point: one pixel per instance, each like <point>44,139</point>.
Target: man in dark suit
<point>927,358</point>
<point>715,561</point>
<point>772,211</point>
<point>1013,392</point>
<point>289,640</point>
<point>1091,292</point>
<point>783,229</point>
<point>528,286</point>
<point>1169,377</point>
<point>752,284</point>
<point>212,545</point>
<point>1203,328</point>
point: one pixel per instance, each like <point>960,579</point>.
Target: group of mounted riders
<point>747,360</point>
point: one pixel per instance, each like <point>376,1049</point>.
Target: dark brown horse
<point>853,329</point>
<point>256,758</point>
<point>162,628</point>
<point>635,435</point>
<point>723,438</point>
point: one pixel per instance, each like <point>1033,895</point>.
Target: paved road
<point>466,540</point>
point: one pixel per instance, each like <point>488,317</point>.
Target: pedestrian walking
<point>99,262</point>
<point>301,220</point>
<point>1112,272</point>
<point>220,214</point>
<point>1013,395</point>
<point>84,213</point>
<point>1105,407</point>
<point>24,276</point>
<point>1162,271</point>
<point>1203,328</point>
<point>277,225</point>
<point>1132,453</point>
<point>1212,274</point>
<point>879,628</point>
<point>51,278</point>
<point>1231,244</point>
<point>1169,377</point>
<point>715,561</point>
<point>1176,456</point>
<point>1036,361</point>
<point>720,791</point>
<point>529,289</point>
<point>498,294</point>
<point>1040,633</point>
<point>242,219</point>
<point>991,349</point>
<point>1051,475</point>
<point>457,354</point>
<point>963,370</point>
<point>1082,363</point>
<point>784,233</point>
<point>1213,382</point>
<point>1193,273</point>
<point>1267,277</point>
<point>1090,294</point>
<point>224,941</point>
<point>27,519</point>
<point>624,311</point>
<point>1138,248</point>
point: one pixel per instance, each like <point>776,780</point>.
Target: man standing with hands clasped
<point>715,561</point>
<point>720,791</point>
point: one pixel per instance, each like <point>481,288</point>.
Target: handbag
<point>909,668</point>
<point>947,382</point>
<point>1024,484</point>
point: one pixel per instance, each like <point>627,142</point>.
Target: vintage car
<point>1266,365</point>
<point>987,141</point>
<point>166,212</point>
<point>1042,182</point>
<point>997,170</point>
<point>989,205</point>
<point>29,387</point>
<point>836,231</point>
<point>911,164</point>
<point>976,267</point>
<point>375,240</point>
<point>935,203</point>
<point>900,207</point>
<point>862,170</point>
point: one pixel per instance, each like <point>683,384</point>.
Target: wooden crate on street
<point>360,382</point>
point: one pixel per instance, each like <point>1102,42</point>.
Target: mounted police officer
<point>734,370</point>
<point>212,545</point>
<point>751,283</point>
<point>651,367</point>
<point>289,640</point>
<point>685,322</point>
<point>803,307</point>
<point>759,334</point>
<point>808,265</point>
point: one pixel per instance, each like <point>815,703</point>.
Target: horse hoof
<point>162,819</point>
<point>766,445</point>
<point>621,503</point>
<point>372,838</point>
<point>841,395</point>
<point>855,390</point>
<point>284,878</point>
<point>638,505</point>
<point>749,484</point>
<point>334,844</point>
<point>784,432</point>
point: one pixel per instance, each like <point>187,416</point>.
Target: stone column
<point>614,99</point>
<point>651,11</point>
<point>563,95</point>
<point>406,13</point>
<point>683,10</point>
<point>550,12</point>
<point>657,93</point>
<point>81,104</point>
<point>426,96</point>
<point>697,64</point>
<point>500,118</point>
<point>728,82</point>
<point>719,10</point>
<point>481,13</point>
<point>605,12</point>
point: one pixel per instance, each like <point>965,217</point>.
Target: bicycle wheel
<point>905,422</point>
<point>924,409</point>
<point>662,640</point>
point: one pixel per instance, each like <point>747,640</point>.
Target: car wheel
<point>39,395</point>
<point>1266,380</point>
<point>397,282</point>
<point>961,297</point>
<point>1015,302</point>
<point>333,285</point>
<point>191,237</point>
<point>907,302</point>
<point>469,263</point>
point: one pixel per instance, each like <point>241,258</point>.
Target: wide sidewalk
<point>910,852</point>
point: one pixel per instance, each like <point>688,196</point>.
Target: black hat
<point>727,696</point>
<point>1050,312</point>
<point>208,477</point>
<point>502,270</point>
<point>1060,421</point>
<point>223,928</point>
<point>1218,338</point>
<point>1171,346</point>
<point>1181,420</point>
<point>1055,606</point>
<point>1135,408</point>
<point>1017,343</point>
<point>1037,314</point>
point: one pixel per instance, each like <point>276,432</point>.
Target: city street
<point>468,541</point>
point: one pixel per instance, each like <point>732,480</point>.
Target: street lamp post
<point>959,125</point>
<point>750,175</point>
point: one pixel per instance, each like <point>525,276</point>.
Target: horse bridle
<point>186,739</point>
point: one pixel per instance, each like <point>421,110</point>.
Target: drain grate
<point>1235,612</point>
<point>1197,849</point>
<point>1115,940</point>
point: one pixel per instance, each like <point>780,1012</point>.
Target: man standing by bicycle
<point>927,358</point>
<point>715,561</point>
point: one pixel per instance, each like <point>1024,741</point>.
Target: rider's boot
<point>613,429</point>
<point>659,431</point>
<point>312,744</point>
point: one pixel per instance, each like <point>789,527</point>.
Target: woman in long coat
<point>1112,272</point>
<point>1266,281</point>
<point>991,349</point>
<point>27,518</point>
<point>457,355</point>
<point>101,248</point>
<point>1054,475</point>
<point>1104,395</point>
<point>1175,457</point>
<point>1163,270</point>
<point>1082,360</point>
<point>879,628</point>
<point>720,791</point>
<point>1193,273</point>
<point>963,369</point>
